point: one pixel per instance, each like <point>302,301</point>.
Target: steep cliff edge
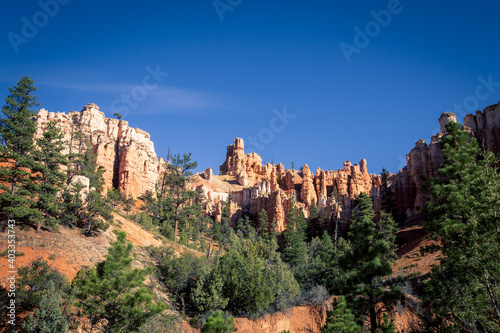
<point>127,153</point>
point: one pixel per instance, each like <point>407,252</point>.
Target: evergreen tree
<point>336,216</point>
<point>340,320</point>
<point>247,279</point>
<point>263,222</point>
<point>387,325</point>
<point>386,193</point>
<point>207,294</point>
<point>33,282</point>
<point>95,210</point>
<point>295,236</point>
<point>180,273</point>
<point>49,179</point>
<point>314,224</point>
<point>51,315</point>
<point>88,167</point>
<point>112,295</point>
<point>17,130</point>
<point>464,214</point>
<point>387,200</point>
<point>87,211</point>
<point>174,194</point>
<point>226,231</point>
<point>367,267</point>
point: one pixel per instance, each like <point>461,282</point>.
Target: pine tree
<point>336,216</point>
<point>17,130</point>
<point>367,267</point>
<point>49,179</point>
<point>340,320</point>
<point>51,315</point>
<point>295,236</point>
<point>387,200</point>
<point>263,222</point>
<point>87,211</point>
<point>112,295</point>
<point>174,194</point>
<point>88,167</point>
<point>314,224</point>
<point>465,215</point>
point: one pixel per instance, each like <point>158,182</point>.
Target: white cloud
<point>161,99</point>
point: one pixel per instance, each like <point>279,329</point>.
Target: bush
<point>317,295</point>
<point>218,323</point>
<point>145,220</point>
<point>168,231</point>
<point>34,280</point>
<point>50,316</point>
<point>161,323</point>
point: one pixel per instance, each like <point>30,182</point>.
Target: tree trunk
<point>336,224</point>
<point>373,319</point>
<point>175,231</point>
<point>491,296</point>
<point>39,227</point>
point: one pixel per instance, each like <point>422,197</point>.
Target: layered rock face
<point>272,187</point>
<point>486,127</point>
<point>126,153</point>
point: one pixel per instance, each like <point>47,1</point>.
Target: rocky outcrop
<point>272,187</point>
<point>486,127</point>
<point>126,153</point>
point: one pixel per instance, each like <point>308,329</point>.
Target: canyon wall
<point>126,153</point>
<point>133,168</point>
<point>272,187</point>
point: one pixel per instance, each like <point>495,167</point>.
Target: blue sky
<point>200,73</point>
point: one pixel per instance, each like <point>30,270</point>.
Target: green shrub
<point>51,316</point>
<point>34,280</point>
<point>218,323</point>
<point>144,220</point>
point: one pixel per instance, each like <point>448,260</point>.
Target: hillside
<point>68,251</point>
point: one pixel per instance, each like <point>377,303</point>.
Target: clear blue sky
<point>227,76</point>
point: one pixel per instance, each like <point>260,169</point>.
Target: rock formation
<point>486,126</point>
<point>272,187</point>
<point>133,168</point>
<point>126,153</point>
<point>424,160</point>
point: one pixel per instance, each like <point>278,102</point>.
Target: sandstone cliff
<point>126,153</point>
<point>133,168</point>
